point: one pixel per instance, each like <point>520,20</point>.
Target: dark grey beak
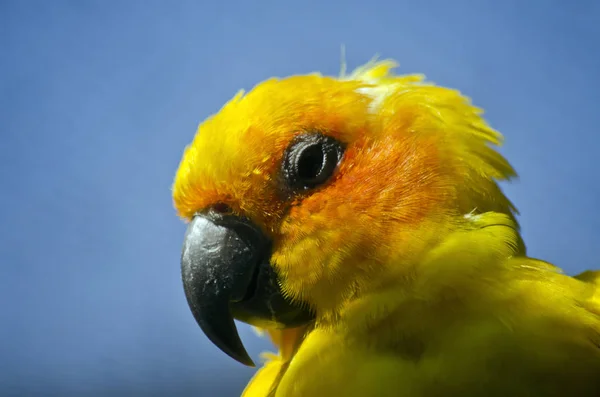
<point>226,274</point>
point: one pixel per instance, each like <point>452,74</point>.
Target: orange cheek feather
<point>400,185</point>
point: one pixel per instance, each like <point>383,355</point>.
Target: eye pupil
<point>310,160</point>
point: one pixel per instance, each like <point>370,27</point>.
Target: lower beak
<point>226,274</point>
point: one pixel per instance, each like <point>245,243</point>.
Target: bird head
<point>308,191</point>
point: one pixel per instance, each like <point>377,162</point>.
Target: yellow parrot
<point>358,221</point>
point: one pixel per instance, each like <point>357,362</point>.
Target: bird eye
<point>311,160</point>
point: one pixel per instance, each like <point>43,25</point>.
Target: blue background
<point>99,98</point>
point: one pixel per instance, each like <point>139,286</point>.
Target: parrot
<point>359,221</point>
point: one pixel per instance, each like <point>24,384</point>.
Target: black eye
<point>310,160</point>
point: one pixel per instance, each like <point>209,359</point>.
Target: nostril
<point>222,208</point>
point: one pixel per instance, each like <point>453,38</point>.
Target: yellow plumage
<point>479,320</point>
<point>410,257</point>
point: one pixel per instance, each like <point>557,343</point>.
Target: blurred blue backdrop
<point>99,98</point>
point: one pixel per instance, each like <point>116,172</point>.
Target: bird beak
<point>226,272</point>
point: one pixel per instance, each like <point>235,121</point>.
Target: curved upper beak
<point>226,274</point>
